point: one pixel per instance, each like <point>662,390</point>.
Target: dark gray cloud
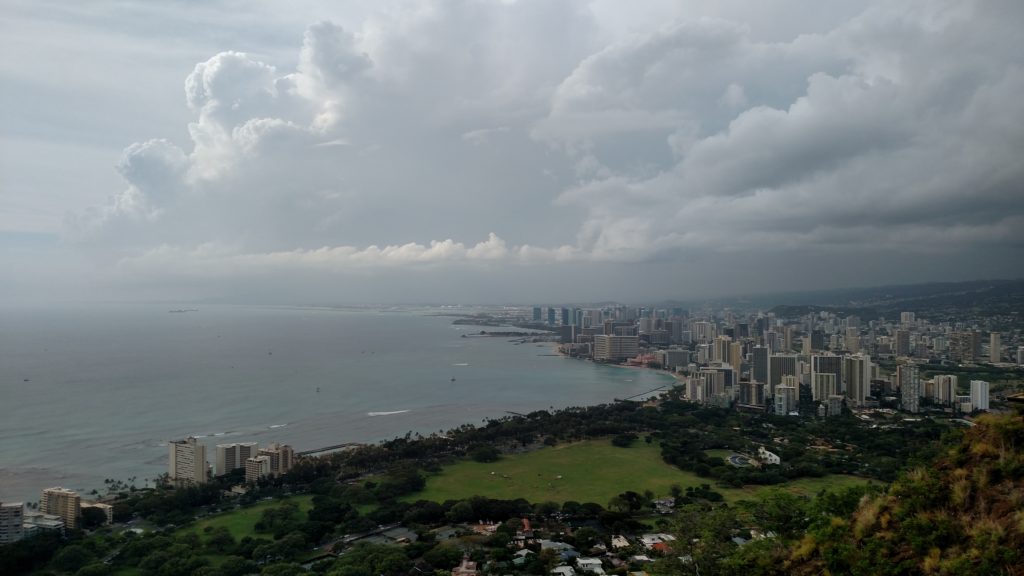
<point>478,149</point>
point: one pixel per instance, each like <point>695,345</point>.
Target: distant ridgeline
<point>1000,299</point>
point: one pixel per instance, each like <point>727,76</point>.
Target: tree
<point>72,558</point>
<point>484,453</point>
<point>220,540</point>
<point>94,569</point>
<point>786,514</point>
<point>93,517</point>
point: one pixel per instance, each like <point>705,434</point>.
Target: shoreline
<point>504,379</point>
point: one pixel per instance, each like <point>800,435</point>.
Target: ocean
<point>93,393</point>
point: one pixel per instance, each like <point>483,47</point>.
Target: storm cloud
<point>520,150</point>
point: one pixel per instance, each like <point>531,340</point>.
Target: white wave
<point>461,364</point>
<point>277,425</point>
<point>386,413</point>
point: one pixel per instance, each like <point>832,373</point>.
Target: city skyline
<point>486,152</point>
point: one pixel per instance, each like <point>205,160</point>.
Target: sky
<point>467,151</point>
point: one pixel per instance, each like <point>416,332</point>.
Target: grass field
<point>240,521</point>
<point>589,471</point>
<point>719,453</point>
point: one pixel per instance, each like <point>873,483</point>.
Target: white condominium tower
<point>979,394</point>
<point>187,464</point>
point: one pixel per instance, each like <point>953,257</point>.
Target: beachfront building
<point>233,456</point>
<point>12,515</point>
<point>282,457</point>
<point>256,467</point>
<point>187,463</point>
<point>64,503</point>
<point>612,348</point>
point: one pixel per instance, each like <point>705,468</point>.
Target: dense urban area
<point>877,436</point>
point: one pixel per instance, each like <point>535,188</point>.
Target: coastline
<point>119,420</point>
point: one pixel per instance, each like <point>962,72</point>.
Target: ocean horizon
<point>89,393</point>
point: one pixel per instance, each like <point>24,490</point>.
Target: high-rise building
<point>12,515</point>
<point>786,399</point>
<point>780,365</point>
<point>611,348</point>
<point>852,340</point>
<point>703,332</point>
<point>902,343</point>
<point>759,371</point>
<point>676,357</point>
<point>944,389</point>
<point>233,456</point>
<point>720,349</point>
<point>1020,355</point>
<point>965,346</point>
<point>979,394</point>
<point>906,318</point>
<point>736,357</point>
<point>823,385</point>
<point>282,456</point>
<point>857,378</point>
<point>64,503</point>
<point>752,393</point>
<point>817,340</point>
<point>995,348</point>
<point>711,385</point>
<point>566,320</point>
<point>827,364</point>
<point>910,387</point>
<point>551,316</point>
<point>187,462</point>
<point>257,467</point>
<point>536,313</point>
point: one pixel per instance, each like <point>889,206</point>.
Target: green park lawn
<point>241,521</point>
<point>588,471</point>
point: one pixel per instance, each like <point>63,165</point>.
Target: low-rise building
<point>35,522</point>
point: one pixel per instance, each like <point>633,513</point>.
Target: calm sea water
<point>89,394</point>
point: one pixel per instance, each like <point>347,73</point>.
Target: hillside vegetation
<point>962,515</point>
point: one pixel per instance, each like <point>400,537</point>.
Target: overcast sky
<point>523,151</point>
